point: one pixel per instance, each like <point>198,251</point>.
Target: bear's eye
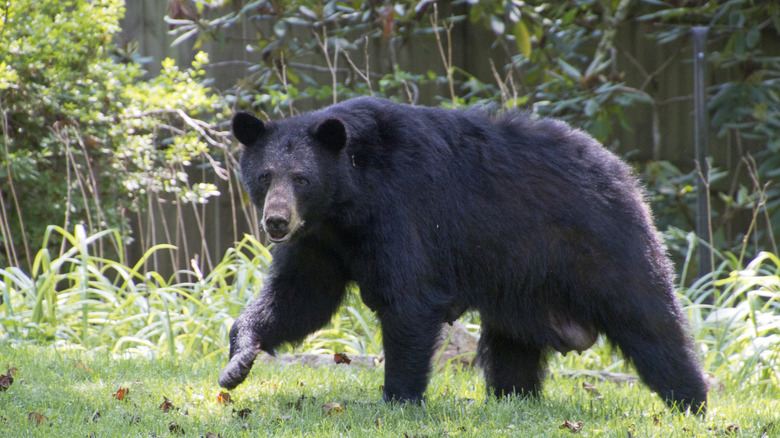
<point>265,178</point>
<point>300,180</point>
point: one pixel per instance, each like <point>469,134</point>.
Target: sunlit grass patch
<point>74,391</point>
<point>99,304</point>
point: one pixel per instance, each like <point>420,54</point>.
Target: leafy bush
<point>85,140</point>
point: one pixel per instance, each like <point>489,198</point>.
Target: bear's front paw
<point>237,369</point>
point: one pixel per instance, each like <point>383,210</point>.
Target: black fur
<point>432,212</point>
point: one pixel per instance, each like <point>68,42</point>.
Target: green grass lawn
<point>64,393</point>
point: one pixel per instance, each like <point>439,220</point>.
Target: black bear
<point>432,212</point>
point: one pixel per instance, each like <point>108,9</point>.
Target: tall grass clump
<point>85,301</point>
<point>89,302</point>
<point>735,314</point>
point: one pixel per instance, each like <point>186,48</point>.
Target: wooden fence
<point>664,131</point>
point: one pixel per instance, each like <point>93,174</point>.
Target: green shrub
<point>84,139</point>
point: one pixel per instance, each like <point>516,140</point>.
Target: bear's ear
<point>332,134</point>
<point>247,128</point>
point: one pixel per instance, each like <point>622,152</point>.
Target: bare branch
<point>446,59</point>
<point>332,64</point>
<point>365,76</point>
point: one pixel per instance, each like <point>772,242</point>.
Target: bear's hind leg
<point>654,338</point>
<point>510,366</point>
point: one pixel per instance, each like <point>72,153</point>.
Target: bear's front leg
<point>409,340</point>
<point>306,286</point>
<point>244,348</point>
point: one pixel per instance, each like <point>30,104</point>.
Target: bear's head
<point>291,169</point>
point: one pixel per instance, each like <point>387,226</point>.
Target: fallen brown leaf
<point>167,405</point>
<point>341,358</point>
<point>573,427</point>
<point>243,413</point>
<point>5,382</point>
<point>223,398</point>
<point>298,404</point>
<point>82,366</point>
<point>95,417</point>
<point>592,390</point>
<point>332,409</point>
<point>121,393</point>
<point>175,428</point>
<point>36,418</point>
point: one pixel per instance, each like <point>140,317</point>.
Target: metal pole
<point>699,34</point>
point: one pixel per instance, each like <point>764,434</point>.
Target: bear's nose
<point>276,226</point>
